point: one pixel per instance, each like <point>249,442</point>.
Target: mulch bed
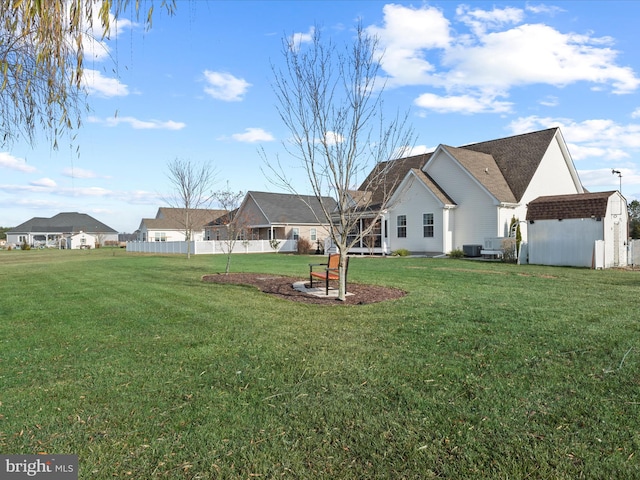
<point>282,287</point>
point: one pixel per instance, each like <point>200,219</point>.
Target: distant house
<point>169,224</point>
<point>55,231</point>
<point>267,216</point>
<point>455,196</point>
<point>583,230</point>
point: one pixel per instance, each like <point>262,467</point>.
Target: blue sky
<point>197,86</point>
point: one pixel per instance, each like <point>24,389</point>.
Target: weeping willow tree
<point>42,60</point>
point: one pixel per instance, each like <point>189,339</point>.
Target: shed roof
<point>578,205</point>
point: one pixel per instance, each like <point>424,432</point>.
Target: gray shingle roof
<point>517,157</point>
<point>174,218</point>
<point>288,208</point>
<point>485,170</point>
<point>433,186</point>
<point>504,166</point>
<point>386,176</point>
<point>578,205</point>
<point>66,222</point>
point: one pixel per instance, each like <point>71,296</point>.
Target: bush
<point>401,252</point>
<point>304,246</point>
<point>456,253</point>
<point>25,246</point>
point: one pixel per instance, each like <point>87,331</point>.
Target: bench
<point>331,271</point>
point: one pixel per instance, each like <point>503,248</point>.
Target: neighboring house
<point>54,231</point>
<point>169,225</point>
<point>277,216</point>
<point>583,230</point>
<point>457,196</point>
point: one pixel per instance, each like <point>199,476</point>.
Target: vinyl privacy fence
<point>212,247</point>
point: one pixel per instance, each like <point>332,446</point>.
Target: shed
<point>81,240</point>
<point>580,230</point>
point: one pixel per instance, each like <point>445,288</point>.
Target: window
<point>161,237</point>
<point>313,234</point>
<point>427,224</point>
<point>402,226</point>
<point>295,233</point>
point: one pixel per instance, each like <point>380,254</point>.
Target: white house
<point>169,225</point>
<point>457,196</point>
<point>585,230</point>
<point>54,231</point>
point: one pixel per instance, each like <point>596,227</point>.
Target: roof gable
<point>517,157</point>
<point>484,169</point>
<point>578,205</point>
<point>386,176</point>
<point>429,183</point>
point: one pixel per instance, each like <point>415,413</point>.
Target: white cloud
<point>139,124</point>
<point>530,54</point>
<point>333,138</point>
<point>597,138</point>
<point>44,182</point>
<point>252,135</point>
<point>297,39</point>
<point>466,104</point>
<point>493,52</point>
<point>224,86</point>
<point>543,9</point>
<point>97,84</point>
<point>550,101</point>
<point>636,113</point>
<point>75,172</point>
<point>482,20</point>
<point>406,37</point>
<point>13,163</point>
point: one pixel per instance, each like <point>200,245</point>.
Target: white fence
<point>212,247</point>
<point>633,257</point>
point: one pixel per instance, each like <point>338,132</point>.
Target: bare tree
<point>42,61</point>
<point>331,103</point>
<point>192,184</point>
<point>235,226</point>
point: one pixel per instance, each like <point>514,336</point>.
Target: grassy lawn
<point>484,370</point>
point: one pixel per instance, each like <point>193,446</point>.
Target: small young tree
<point>235,225</point>
<point>192,184</point>
<point>331,103</point>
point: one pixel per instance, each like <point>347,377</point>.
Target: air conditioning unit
<point>472,250</point>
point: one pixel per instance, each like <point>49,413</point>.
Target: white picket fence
<point>211,247</point>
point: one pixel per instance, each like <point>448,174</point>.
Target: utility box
<point>472,250</point>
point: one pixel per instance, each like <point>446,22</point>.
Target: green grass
<point>484,370</point>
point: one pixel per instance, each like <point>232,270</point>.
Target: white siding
<point>568,242</point>
<point>414,201</point>
<point>476,216</point>
<point>553,176</point>
<point>571,242</point>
